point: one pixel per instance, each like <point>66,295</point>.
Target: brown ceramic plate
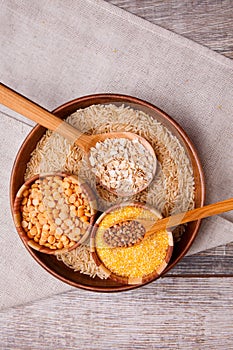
<point>50,263</point>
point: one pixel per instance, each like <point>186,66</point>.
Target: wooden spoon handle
<point>31,110</point>
<point>192,215</point>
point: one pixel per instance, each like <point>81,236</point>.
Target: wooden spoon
<point>181,218</point>
<point>31,110</point>
<point>191,215</point>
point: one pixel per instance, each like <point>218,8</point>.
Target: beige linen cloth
<point>55,51</point>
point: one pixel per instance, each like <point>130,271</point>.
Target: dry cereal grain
<point>172,189</point>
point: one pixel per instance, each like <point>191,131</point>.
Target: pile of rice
<point>171,192</point>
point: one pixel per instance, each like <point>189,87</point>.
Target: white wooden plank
<point>206,22</point>
<point>174,313</point>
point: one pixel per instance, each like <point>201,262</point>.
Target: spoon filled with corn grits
<point>123,162</point>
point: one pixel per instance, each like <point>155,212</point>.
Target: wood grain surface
<point>190,308</point>
<point>208,22</point>
<point>176,313</point>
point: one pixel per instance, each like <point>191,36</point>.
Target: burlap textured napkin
<point>55,51</point>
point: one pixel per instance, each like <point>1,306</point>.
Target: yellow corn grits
<point>138,260</point>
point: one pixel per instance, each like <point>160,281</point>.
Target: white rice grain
<point>172,190</point>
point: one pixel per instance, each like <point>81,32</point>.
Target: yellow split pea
<point>55,212</point>
<point>138,260</point>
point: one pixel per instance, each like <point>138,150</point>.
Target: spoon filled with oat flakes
<point>123,162</point>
